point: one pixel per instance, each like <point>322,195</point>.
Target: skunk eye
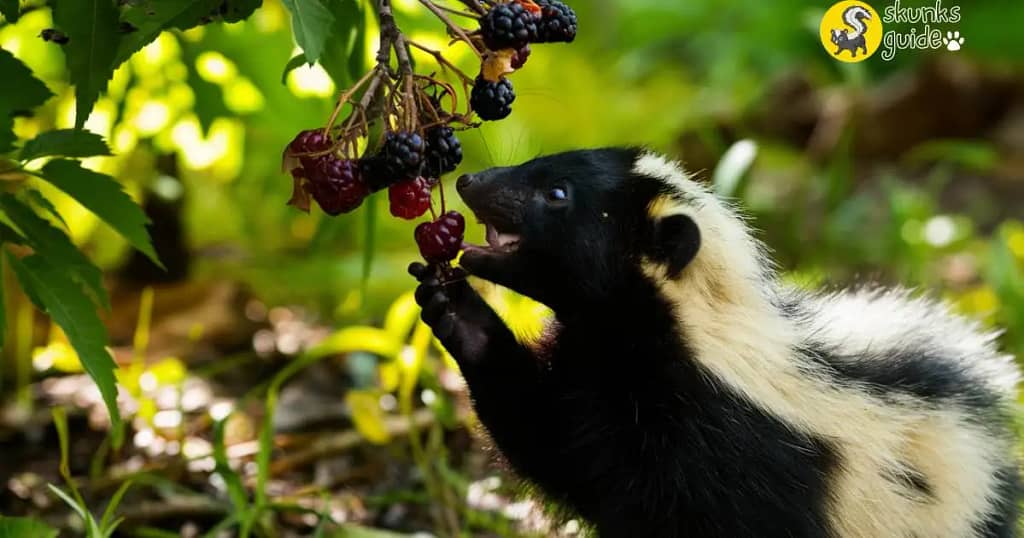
<point>557,194</point>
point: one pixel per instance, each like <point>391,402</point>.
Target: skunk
<point>681,389</point>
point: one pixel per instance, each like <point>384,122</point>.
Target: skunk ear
<point>676,242</point>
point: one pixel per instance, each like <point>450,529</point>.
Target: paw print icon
<point>953,40</point>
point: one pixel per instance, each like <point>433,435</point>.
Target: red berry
<point>520,57</point>
<point>440,241</point>
<point>310,141</point>
<point>410,199</point>
<point>335,184</point>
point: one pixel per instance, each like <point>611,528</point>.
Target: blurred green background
<point>909,171</point>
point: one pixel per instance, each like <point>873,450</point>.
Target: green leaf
<point>150,18</point>
<point>107,522</point>
<point>7,137</point>
<point>344,51</point>
<point>9,9</point>
<point>239,10</point>
<point>23,527</point>
<point>93,31</point>
<point>102,195</point>
<point>54,245</point>
<point>10,235</point>
<point>63,300</point>
<point>66,142</point>
<point>292,65</point>
<point>236,491</point>
<point>311,24</point>
<point>43,203</point>
<point>20,91</point>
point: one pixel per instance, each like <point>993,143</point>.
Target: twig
<point>442,60</point>
<point>344,97</point>
<point>451,26</point>
<point>447,9</point>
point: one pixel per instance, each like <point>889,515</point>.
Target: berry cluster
<point>507,30</point>
<point>420,115</point>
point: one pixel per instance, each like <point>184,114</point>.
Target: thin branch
<point>451,26</point>
<point>442,60</point>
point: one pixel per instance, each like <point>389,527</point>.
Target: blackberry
<point>444,151</point>
<point>409,199</point>
<point>440,241</point>
<point>492,100</point>
<point>557,22</point>
<point>374,170</point>
<point>520,57</point>
<point>310,141</point>
<point>508,26</point>
<point>403,154</point>
<point>336,184</point>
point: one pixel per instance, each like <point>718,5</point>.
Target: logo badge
<point>851,31</point>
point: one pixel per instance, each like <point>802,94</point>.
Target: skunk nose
<point>464,181</point>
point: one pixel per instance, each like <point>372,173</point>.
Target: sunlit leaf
<point>93,31</point>
<point>102,195</point>
<point>293,64</point>
<point>367,415</point>
<point>150,18</point>
<point>401,316</point>
<point>44,203</point>
<point>54,293</point>
<point>23,527</point>
<point>10,11</point>
<point>65,142</point>
<point>312,24</point>
<point>20,91</point>
<point>349,339</point>
<point>54,245</point>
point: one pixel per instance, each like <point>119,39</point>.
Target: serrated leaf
<point>9,9</point>
<point>93,30</point>
<point>23,527</point>
<point>293,64</point>
<point>53,292</point>
<point>312,24</point>
<point>102,195</point>
<point>65,142</point>
<point>20,91</point>
<point>152,17</point>
<point>44,203</point>
<point>54,245</point>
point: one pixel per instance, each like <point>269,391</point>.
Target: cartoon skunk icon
<point>854,17</point>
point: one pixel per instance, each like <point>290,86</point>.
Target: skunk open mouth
<point>497,242</point>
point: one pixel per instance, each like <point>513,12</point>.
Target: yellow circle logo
<point>851,31</point>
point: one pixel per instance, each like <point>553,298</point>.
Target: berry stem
<point>452,11</point>
<point>344,98</point>
<point>442,60</point>
<point>451,25</point>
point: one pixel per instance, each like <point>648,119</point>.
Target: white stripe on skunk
<point>741,335</point>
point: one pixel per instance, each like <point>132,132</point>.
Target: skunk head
<point>574,229</point>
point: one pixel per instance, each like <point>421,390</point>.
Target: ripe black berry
<point>410,199</point>
<point>520,57</point>
<point>557,22</point>
<point>508,26</point>
<point>492,100</point>
<point>403,154</point>
<point>336,184</point>
<point>444,151</point>
<point>440,241</point>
